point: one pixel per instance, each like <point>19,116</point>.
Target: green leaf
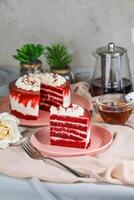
<point>29,53</point>
<point>57,56</point>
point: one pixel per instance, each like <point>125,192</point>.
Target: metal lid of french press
<point>112,50</point>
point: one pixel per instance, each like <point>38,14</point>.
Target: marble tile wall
<point>83,25</point>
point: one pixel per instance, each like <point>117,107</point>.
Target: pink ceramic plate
<point>101,138</point>
<point>43,118</point>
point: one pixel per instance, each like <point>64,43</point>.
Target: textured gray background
<point>83,25</point>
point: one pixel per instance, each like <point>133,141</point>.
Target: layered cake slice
<point>70,126</point>
<point>55,90</point>
<point>25,96</point>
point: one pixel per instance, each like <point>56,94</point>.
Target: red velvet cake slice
<point>70,126</point>
<point>55,90</point>
<point>25,96</point>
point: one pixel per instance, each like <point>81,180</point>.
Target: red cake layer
<point>69,143</point>
<point>51,98</point>
<point>59,89</point>
<point>65,135</point>
<point>69,125</point>
<point>50,101</point>
<point>80,120</point>
<point>20,115</point>
<point>48,98</point>
<point>44,93</point>
<point>59,130</point>
<point>46,106</point>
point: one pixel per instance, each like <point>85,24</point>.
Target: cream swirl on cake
<point>29,82</point>
<point>52,79</point>
<point>9,131</point>
<point>72,110</point>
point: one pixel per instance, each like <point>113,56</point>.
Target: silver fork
<point>35,154</point>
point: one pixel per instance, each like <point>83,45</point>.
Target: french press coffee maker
<point>112,72</point>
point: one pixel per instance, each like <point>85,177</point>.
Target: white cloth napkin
<point>81,88</point>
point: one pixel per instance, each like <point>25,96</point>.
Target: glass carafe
<point>112,72</point>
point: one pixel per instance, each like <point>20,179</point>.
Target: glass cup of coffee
<point>115,108</point>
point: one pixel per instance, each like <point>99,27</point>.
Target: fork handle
<point>73,171</point>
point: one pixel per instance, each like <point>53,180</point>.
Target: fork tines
<point>31,151</point>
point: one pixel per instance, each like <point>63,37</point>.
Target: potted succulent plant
<point>58,58</point>
<point>29,55</point>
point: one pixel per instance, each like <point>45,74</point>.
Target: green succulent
<point>58,56</point>
<point>29,53</point>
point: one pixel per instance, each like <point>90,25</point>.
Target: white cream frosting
<point>33,82</point>
<point>25,110</point>
<point>9,131</point>
<point>52,79</point>
<point>29,82</point>
<point>73,110</point>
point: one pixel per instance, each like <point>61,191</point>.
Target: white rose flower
<point>9,130</point>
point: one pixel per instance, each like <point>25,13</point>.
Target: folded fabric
<point>81,88</point>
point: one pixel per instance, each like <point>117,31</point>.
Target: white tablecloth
<point>25,189</point>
